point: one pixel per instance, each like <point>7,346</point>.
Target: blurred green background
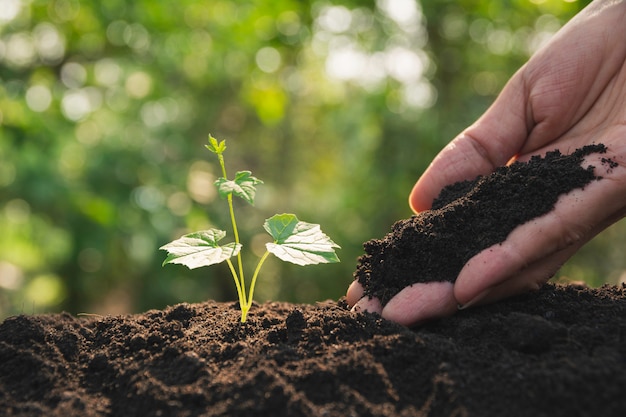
<point>338,106</point>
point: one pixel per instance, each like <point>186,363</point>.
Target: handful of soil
<point>468,217</point>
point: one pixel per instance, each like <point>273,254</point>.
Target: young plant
<point>294,241</point>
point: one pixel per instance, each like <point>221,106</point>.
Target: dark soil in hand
<point>468,217</point>
<point>557,352</point>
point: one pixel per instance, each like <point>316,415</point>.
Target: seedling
<point>295,241</point>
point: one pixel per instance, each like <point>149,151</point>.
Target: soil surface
<point>557,352</point>
<point>468,217</point>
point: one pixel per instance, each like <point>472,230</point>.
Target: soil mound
<point>558,352</point>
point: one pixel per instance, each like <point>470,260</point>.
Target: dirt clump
<point>468,217</point>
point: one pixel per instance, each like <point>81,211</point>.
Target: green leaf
<point>215,146</point>
<point>244,186</point>
<point>199,249</point>
<point>299,242</point>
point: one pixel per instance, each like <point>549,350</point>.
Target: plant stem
<point>241,285</point>
<point>246,308</point>
<point>256,274</point>
<point>241,292</point>
<point>236,234</point>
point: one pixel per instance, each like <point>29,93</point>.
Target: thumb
<point>489,143</point>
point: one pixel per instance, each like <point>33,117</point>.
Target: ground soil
<point>560,351</point>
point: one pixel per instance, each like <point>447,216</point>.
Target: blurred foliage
<point>338,106</point>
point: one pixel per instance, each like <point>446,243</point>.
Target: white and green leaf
<point>199,249</point>
<point>243,186</point>
<point>299,242</point>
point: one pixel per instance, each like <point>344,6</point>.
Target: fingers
<point>356,298</point>
<point>533,252</point>
<point>371,305</point>
<point>421,302</point>
<point>489,143</point>
<point>413,305</point>
<point>530,278</point>
<point>529,256</point>
<point>355,293</point>
<point>466,157</point>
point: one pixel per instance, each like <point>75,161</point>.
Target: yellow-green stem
<point>244,313</point>
<point>241,292</point>
<point>256,274</point>
<point>236,234</point>
<point>241,283</point>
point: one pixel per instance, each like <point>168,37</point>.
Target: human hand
<point>571,93</point>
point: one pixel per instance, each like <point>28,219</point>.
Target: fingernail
<point>474,300</point>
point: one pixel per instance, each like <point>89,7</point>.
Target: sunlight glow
<point>336,19</point>
<point>38,98</point>
<point>268,59</point>
<point>49,42</point>
<point>20,50</point>
<point>404,64</point>
<point>9,9</point>
<point>339,39</point>
<point>11,276</point>
<point>404,12</point>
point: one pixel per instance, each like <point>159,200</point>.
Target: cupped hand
<point>571,93</point>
